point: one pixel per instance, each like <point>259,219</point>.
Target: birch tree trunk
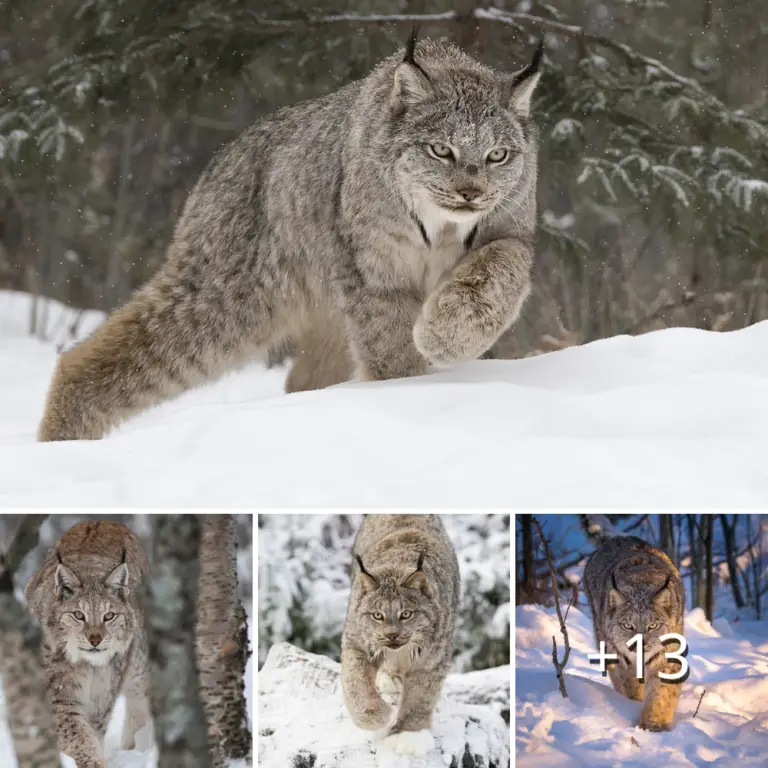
<point>222,643</point>
<point>180,730</point>
<point>29,713</point>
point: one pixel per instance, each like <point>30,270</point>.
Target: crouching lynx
<point>633,589</point>
<point>399,629</point>
<point>86,598</point>
<point>380,230</point>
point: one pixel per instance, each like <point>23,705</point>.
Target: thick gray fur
<point>332,225</point>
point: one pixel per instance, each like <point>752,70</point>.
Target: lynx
<point>87,601</point>
<point>399,629</point>
<point>634,588</point>
<point>380,231</point>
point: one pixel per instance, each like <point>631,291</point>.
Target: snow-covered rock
<point>303,722</point>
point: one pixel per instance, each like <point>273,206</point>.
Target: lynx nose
<point>95,638</point>
<point>470,193</point>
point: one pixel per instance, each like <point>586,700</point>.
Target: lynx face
<point>395,615</point>
<point>92,618</point>
<point>642,610</point>
<point>459,138</point>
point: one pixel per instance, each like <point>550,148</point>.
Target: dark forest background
<point>653,117</point>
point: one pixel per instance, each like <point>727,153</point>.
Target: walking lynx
<point>86,599</point>
<point>378,231</point>
<point>399,629</point>
<point>633,589</point>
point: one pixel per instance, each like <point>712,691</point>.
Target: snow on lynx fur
<point>399,627</point>
<point>634,588</point>
<point>86,597</point>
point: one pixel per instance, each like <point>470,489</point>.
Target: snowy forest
<point>198,610</point>
<point>653,118</point>
<point>303,589</point>
<point>722,709</point>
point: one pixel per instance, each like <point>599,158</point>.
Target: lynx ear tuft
<point>411,83</point>
<point>118,578</point>
<point>368,581</point>
<point>418,579</point>
<point>524,83</point>
<point>65,581</point>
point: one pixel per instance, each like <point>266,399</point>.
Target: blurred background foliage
<point>653,117</point>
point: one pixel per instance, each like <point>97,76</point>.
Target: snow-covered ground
<point>594,727</point>
<point>675,418</point>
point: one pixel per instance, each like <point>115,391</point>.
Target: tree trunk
<point>180,730</point>
<point>710,598</point>
<point>526,588</point>
<point>29,713</point>
<point>729,534</point>
<point>222,643</point>
<point>692,539</point>
<point>667,536</point>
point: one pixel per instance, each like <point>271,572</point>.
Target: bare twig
<point>559,665</point>
<point>703,693</point>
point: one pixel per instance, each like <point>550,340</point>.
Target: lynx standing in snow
<point>399,629</point>
<point>633,589</point>
<point>87,601</point>
<point>381,229</point>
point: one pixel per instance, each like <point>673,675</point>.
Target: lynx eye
<point>406,614</point>
<point>627,626</point>
<point>378,615</point>
<point>498,155</point>
<point>653,626</point>
<point>440,151</point>
<point>109,616</point>
<point>79,615</point>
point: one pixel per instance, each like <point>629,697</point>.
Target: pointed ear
<point>367,580</point>
<point>662,600</point>
<point>65,582</point>
<point>418,579</point>
<point>615,598</point>
<point>524,83</point>
<point>117,579</point>
<point>411,83</point>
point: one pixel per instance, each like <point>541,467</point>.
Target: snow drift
<point>675,418</point>
<point>303,722</point>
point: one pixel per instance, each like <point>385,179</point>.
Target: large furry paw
<point>374,719</point>
<point>648,724</point>
<point>387,684</point>
<point>459,321</point>
<point>416,743</point>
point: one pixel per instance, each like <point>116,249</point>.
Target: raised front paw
<point>459,321</point>
<point>387,684</point>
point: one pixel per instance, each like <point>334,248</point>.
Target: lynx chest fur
<point>87,599</point>
<point>398,636</point>
<point>635,589</point>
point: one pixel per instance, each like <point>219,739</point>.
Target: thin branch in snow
<point>703,693</point>
<point>559,665</point>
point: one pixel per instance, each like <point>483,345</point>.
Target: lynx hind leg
<point>165,340</point>
<point>321,359</point>
<point>358,682</point>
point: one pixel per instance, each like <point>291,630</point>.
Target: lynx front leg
<point>410,734</point>
<point>380,326</point>
<point>77,738</point>
<point>467,314</point>
<point>358,683</point>
<point>660,700</point>
<point>625,681</point>
<point>136,692</point>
